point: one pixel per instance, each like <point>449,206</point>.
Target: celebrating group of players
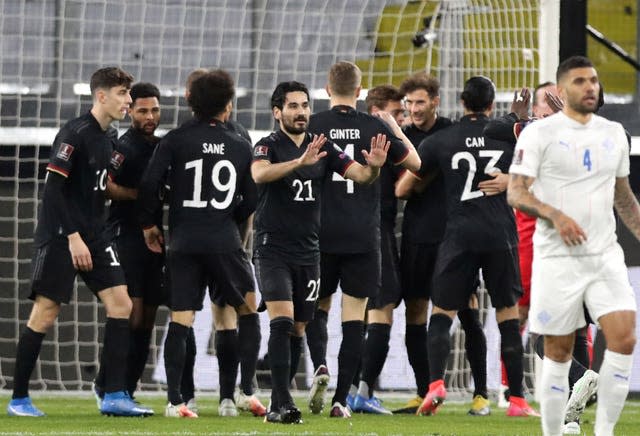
<point>324,189</point>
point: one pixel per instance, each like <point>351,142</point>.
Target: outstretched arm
<point>375,157</point>
<point>412,160</point>
<point>519,197</point>
<point>264,171</point>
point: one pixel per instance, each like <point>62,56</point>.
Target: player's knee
<point>623,344</point>
<point>298,328</point>
<point>324,304</point>
<point>416,311</point>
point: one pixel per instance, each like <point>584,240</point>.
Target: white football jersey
<point>575,167</point>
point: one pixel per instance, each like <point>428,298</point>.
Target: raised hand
<point>377,155</point>
<point>520,103</point>
<point>388,119</point>
<point>555,103</point>
<point>313,154</point>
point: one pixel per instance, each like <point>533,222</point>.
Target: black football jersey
<point>128,162</point>
<point>209,170</point>
<point>425,216</point>
<point>465,157</point>
<point>351,212</point>
<point>81,153</point>
<point>287,218</point>
<point>240,130</point>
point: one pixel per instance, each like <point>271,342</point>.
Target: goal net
<point>50,49</point>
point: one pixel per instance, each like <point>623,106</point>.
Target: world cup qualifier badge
<point>65,151</point>
<point>116,160</point>
<point>261,150</point>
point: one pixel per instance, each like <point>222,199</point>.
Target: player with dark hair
<point>572,156</point>
<point>583,382</point>
<point>69,240</point>
<point>143,269</point>
<point>480,233</point>
<point>234,338</point>
<point>349,231</point>
<point>419,248</point>
<point>209,173</point>
<point>289,167</point>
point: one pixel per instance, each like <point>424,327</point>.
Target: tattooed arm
<point>627,206</point>
<point>519,197</point>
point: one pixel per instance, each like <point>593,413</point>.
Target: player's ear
<point>358,89</point>
<point>277,113</point>
<point>326,88</point>
<point>436,100</point>
<point>100,95</point>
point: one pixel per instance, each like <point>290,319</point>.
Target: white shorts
<point>561,285</point>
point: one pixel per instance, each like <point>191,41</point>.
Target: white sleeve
<point>526,156</point>
<point>623,166</point>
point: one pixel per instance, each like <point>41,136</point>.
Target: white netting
<point>49,50</point>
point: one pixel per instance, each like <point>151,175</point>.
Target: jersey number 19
<point>227,188</point>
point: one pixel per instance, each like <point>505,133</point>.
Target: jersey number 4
<point>227,188</point>
<point>494,155</point>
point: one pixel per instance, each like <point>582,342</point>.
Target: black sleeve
<point>240,130</point>
<point>427,150</point>
<point>249,200</point>
<point>53,191</point>
<point>502,128</point>
<point>149,198</point>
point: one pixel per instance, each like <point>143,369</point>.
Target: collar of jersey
<point>343,109</point>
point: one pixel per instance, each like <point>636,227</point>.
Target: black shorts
<point>229,273</point>
<point>391,291</point>
<point>143,270</point>
<point>53,273</point>
<point>417,265</point>
<point>457,271</point>
<point>358,273</point>
<point>282,281</point>
<point>218,298</point>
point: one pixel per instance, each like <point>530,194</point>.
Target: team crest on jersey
<point>116,160</point>
<point>517,158</point>
<point>261,150</point>
<point>65,151</point>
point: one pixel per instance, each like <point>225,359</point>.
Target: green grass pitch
<point>77,415</point>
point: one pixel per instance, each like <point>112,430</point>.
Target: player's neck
<point>297,138</point>
<point>101,117</point>
<point>580,117</point>
<point>338,100</point>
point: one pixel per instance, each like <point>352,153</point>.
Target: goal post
<point>51,48</point>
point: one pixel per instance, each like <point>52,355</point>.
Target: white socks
<point>554,386</point>
<point>613,386</point>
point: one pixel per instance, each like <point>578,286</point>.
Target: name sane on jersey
<point>209,148</point>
